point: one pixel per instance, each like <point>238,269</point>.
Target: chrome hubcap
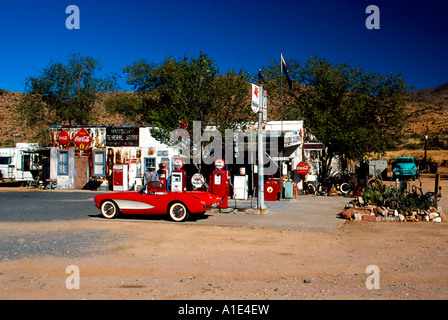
<point>178,211</point>
<point>109,209</point>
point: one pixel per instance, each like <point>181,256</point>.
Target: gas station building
<point>116,157</point>
<point>89,157</point>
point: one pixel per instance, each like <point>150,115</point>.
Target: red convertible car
<point>154,199</point>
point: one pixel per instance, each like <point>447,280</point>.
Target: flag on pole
<point>285,71</point>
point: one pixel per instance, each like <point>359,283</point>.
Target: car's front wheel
<point>178,212</point>
<point>109,209</point>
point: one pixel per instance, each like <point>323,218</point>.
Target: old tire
<point>109,209</point>
<point>373,183</point>
<point>345,188</point>
<point>178,212</point>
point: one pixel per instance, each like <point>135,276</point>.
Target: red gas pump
<point>178,177</point>
<point>120,177</point>
<point>219,183</point>
<point>163,175</point>
<point>271,189</point>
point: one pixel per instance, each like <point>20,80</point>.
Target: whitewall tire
<point>109,209</point>
<point>178,212</point>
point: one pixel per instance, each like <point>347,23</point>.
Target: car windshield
<point>152,185</point>
<point>405,160</point>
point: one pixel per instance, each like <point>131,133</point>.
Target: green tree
<point>63,94</point>
<point>355,113</point>
<point>174,93</point>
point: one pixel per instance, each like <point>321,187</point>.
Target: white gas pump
<point>178,177</point>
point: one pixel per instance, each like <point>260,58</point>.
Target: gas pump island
<point>219,183</point>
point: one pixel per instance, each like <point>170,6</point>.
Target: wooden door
<point>81,172</point>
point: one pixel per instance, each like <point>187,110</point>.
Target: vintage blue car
<point>405,168</point>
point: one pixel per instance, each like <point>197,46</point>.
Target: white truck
<point>20,163</point>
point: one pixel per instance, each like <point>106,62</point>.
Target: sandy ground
<point>153,260</point>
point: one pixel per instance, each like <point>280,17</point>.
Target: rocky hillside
<point>427,111</point>
<point>10,132</point>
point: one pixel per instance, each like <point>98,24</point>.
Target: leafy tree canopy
<point>353,112</point>
<point>63,93</point>
<point>174,93</point>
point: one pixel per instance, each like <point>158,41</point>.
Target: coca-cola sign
<point>82,139</point>
<point>63,137</point>
<point>303,168</point>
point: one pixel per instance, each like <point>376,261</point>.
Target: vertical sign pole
<point>260,153</point>
<point>436,188</point>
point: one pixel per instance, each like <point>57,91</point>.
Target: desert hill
<point>10,132</point>
<point>428,111</point>
<point>430,105</point>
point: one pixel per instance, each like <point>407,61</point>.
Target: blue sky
<point>243,34</point>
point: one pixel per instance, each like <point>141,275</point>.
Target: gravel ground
<point>62,244</point>
<point>151,259</point>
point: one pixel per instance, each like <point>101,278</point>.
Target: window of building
<point>63,162</point>
<point>150,162</point>
<point>26,162</point>
<point>99,163</point>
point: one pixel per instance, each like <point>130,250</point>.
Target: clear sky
<point>242,34</point>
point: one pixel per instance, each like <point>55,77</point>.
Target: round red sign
<point>219,164</point>
<point>303,168</point>
<point>178,164</point>
<point>63,137</point>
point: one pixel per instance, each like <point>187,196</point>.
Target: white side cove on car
<point>130,204</point>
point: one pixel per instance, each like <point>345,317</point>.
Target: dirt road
<point>183,261</point>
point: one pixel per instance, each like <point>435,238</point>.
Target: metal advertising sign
<point>63,137</point>
<point>255,98</point>
<point>313,146</point>
<point>82,139</point>
<point>219,164</point>
<point>265,106</point>
<point>197,180</point>
<point>178,164</point>
<point>122,137</point>
<point>292,138</point>
<point>303,168</point>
